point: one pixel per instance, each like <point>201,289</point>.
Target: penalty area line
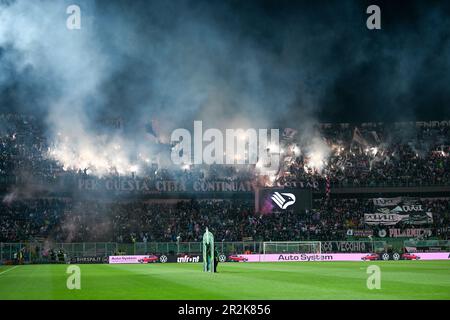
<point>3,272</point>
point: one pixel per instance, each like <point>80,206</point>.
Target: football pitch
<point>312,280</point>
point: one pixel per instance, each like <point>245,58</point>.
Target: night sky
<point>277,60</point>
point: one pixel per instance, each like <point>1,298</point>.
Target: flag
<point>375,137</point>
<point>358,138</point>
<point>289,133</point>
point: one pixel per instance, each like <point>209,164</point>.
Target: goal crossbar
<point>292,247</point>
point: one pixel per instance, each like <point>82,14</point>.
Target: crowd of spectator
<point>66,220</point>
<point>378,155</point>
<point>336,156</point>
<point>30,219</point>
<point>23,150</point>
<point>372,157</point>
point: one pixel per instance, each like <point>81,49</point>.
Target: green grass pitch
<point>312,280</point>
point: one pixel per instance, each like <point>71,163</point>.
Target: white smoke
<point>317,154</point>
<point>72,61</point>
<point>189,69</point>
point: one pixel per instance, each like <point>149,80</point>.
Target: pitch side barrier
<point>246,251</point>
<point>281,257</point>
<point>330,257</point>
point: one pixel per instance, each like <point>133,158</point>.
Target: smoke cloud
<point>228,63</point>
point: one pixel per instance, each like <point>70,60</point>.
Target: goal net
<point>292,247</point>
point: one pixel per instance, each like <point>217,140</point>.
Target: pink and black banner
<point>432,255</point>
<point>132,259</point>
<point>302,257</point>
<point>307,257</point>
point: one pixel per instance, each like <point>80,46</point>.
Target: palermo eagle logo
<point>283,200</point>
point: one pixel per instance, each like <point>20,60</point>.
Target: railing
<point>36,251</point>
<point>389,184</point>
<point>428,243</point>
<point>41,252</point>
<point>67,181</point>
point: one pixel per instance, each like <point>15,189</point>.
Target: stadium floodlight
<point>275,247</point>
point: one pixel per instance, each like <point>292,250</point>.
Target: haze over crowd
<point>230,64</point>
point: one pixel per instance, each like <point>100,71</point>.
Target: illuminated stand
<point>208,251</point>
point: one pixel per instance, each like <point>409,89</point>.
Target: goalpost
<point>292,247</point>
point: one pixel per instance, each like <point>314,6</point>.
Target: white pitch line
<point>8,270</point>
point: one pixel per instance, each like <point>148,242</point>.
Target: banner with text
<point>302,257</point>
<point>409,233</point>
<point>393,211</point>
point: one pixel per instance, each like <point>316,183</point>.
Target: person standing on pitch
<point>216,258</point>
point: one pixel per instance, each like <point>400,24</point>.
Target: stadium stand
<point>386,156</point>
